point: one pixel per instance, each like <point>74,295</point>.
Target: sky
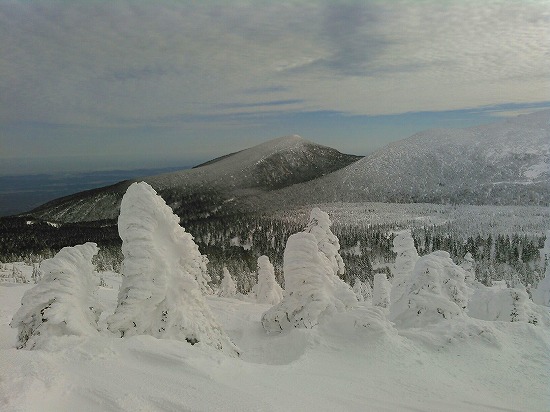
<point>92,85</point>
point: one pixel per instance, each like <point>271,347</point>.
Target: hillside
<point>216,187</point>
<point>505,163</point>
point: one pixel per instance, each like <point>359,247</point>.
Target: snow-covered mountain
<point>505,163</point>
<point>221,184</point>
<point>501,163</point>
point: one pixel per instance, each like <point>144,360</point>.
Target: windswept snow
<point>355,361</point>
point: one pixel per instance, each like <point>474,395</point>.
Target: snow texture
<point>407,256</point>
<point>267,290</point>
<point>435,291</point>
<point>160,295</point>
<point>60,304</point>
<point>381,291</point>
<point>355,361</point>
<point>312,290</point>
<point>228,287</point>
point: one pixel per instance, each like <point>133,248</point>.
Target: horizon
<point>98,86</point>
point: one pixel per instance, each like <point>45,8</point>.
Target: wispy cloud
<point>96,63</point>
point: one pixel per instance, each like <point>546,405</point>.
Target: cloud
<point>115,64</point>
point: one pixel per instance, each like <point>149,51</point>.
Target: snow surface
<point>356,361</point>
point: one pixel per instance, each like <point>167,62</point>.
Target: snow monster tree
<point>61,303</point>
<point>160,294</point>
<point>313,289</point>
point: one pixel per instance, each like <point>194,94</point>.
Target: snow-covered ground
<point>355,360</point>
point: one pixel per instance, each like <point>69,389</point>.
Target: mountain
<point>505,163</point>
<point>219,186</point>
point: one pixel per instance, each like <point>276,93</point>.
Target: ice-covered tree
<point>312,290</point>
<point>507,305</point>
<point>61,302</point>
<point>381,291</point>
<point>160,295</point>
<point>436,290</point>
<point>468,264</point>
<point>362,290</point>
<point>328,244</point>
<point>358,289</point>
<point>267,290</point>
<point>228,287</point>
<point>403,247</point>
<point>541,295</point>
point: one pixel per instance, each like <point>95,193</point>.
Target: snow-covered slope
<point>355,362</point>
<point>501,163</point>
<point>221,183</point>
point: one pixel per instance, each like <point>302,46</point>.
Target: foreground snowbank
<point>354,361</point>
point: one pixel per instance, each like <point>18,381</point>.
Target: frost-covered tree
<point>160,295</point>
<point>228,287</point>
<point>436,290</point>
<point>267,290</point>
<point>541,295</point>
<point>468,264</point>
<point>507,305</point>
<point>381,291</point>
<point>358,289</point>
<point>18,275</point>
<point>312,290</point>
<point>362,290</point>
<point>328,244</point>
<point>60,303</point>
<point>403,247</point>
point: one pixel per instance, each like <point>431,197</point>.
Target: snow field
<point>353,361</point>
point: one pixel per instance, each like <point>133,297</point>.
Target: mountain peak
<point>232,181</point>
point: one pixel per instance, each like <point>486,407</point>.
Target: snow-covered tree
<point>60,303</point>
<point>407,256</point>
<point>328,244</point>
<point>468,264</point>
<point>541,295</point>
<point>312,290</point>
<point>267,290</point>
<point>381,291</point>
<point>507,305</point>
<point>160,295</point>
<point>358,289</point>
<point>18,276</point>
<point>228,287</point>
<point>436,290</point>
<point>362,290</point>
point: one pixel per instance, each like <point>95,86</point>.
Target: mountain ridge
<point>506,163</point>
<point>212,187</point>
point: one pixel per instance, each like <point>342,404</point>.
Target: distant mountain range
<point>505,163</point>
